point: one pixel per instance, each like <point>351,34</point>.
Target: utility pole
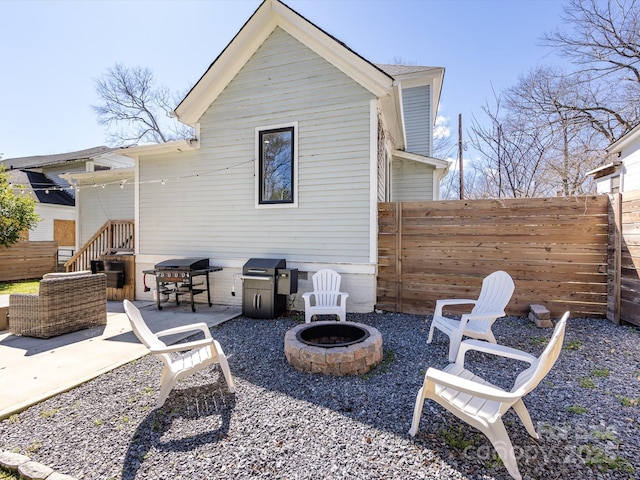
<point>460,162</point>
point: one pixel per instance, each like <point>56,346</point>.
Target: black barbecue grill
<point>178,276</point>
<point>266,282</point>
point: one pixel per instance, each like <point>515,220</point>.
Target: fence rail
<point>556,250</point>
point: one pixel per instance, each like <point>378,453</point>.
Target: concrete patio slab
<point>34,369</point>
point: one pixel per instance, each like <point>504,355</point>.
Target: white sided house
<point>47,179</point>
<point>297,140</point>
<point>622,174</point>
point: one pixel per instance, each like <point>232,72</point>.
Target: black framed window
<point>276,166</point>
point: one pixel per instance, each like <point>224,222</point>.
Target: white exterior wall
<point>215,215</point>
<point>411,181</point>
<point>48,213</point>
<point>416,104</point>
<point>97,205</point>
<point>631,170</point>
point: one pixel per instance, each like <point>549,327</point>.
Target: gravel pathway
<point>286,424</point>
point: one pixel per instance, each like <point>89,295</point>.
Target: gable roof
<point>269,15</point>
<point>55,159</point>
<point>43,188</point>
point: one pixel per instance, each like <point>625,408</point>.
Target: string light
<point>121,183</point>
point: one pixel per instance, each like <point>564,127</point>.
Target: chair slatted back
<point>140,328</point>
<point>532,376</point>
<point>326,285</point>
<point>496,292</point>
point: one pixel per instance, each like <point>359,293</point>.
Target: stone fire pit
<point>337,348</point>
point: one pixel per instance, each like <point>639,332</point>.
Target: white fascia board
<point>615,164</point>
<point>225,67</point>
<point>157,148</point>
<point>351,64</point>
<point>272,14</point>
<point>100,176</point>
<point>434,162</point>
<point>392,119</point>
<point>618,145</point>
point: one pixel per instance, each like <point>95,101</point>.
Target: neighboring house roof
<point>269,15</point>
<point>55,159</point>
<point>42,187</point>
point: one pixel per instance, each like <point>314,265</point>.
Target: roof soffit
<point>272,14</point>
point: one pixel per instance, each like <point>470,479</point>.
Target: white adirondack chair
<point>182,359</point>
<point>496,292</point>
<point>481,404</point>
<point>326,298</point>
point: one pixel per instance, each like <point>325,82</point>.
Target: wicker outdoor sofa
<point>67,302</point>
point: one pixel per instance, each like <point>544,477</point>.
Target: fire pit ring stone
<point>355,358</point>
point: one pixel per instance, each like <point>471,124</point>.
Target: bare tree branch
<point>134,109</point>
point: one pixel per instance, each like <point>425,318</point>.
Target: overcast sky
<point>52,51</point>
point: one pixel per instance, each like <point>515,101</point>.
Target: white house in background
<point>43,177</point>
<point>101,196</point>
<point>297,140</point>
<point>622,174</point>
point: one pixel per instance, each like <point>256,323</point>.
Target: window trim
<point>258,173</point>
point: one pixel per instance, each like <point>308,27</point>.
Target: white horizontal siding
<point>97,205</point>
<point>215,215</point>
<point>416,104</point>
<point>631,159</point>
<point>412,181</point>
<point>48,213</point>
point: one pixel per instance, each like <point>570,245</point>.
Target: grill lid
<point>183,264</point>
<point>263,266</point>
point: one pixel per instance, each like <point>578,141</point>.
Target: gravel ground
<point>286,424</point>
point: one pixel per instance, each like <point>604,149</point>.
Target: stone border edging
<point>29,469</point>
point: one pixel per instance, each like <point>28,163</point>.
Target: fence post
<point>614,261</point>
<point>399,257</point>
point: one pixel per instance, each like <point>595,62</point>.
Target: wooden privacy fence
<point>556,250</point>
<point>27,260</point>
<point>624,283</point>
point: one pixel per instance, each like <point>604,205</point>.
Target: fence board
<point>554,248</point>
<point>27,260</point>
<point>630,258</point>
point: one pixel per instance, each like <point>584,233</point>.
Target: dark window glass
<point>276,165</point>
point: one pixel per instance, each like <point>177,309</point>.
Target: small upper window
<point>276,165</point>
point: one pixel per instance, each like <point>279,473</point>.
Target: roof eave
<point>158,148</point>
<point>272,14</point>
<point>434,162</point>
<point>622,142</point>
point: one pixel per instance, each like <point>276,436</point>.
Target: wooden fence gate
<point>556,250</point>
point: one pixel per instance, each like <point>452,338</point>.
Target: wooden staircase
<point>114,236</point>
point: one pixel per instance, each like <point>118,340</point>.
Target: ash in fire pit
<point>338,348</point>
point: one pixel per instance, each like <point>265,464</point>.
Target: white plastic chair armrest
<point>468,386</point>
<point>493,349</point>
<point>451,301</point>
<point>186,328</point>
<point>181,347</point>
<point>308,294</point>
